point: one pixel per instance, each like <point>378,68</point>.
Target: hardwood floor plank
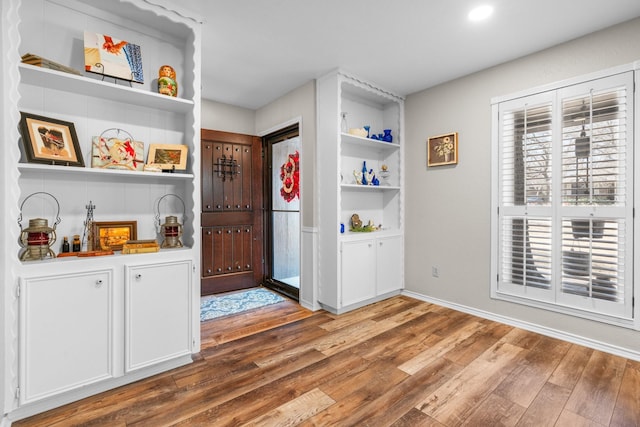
<point>470,348</point>
<point>395,402</point>
<point>295,411</point>
<point>570,368</point>
<point>594,396</point>
<point>569,419</point>
<point>627,409</point>
<point>546,408</point>
<point>415,418</point>
<point>445,345</point>
<point>495,411</point>
<point>452,403</point>
<point>531,374</point>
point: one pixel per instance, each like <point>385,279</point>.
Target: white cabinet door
<point>389,264</point>
<point>358,278</point>
<point>66,333</point>
<point>157,313</point>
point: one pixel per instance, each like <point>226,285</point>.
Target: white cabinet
<point>370,268</point>
<point>358,272</point>
<point>66,333</point>
<point>341,256</point>
<point>158,303</point>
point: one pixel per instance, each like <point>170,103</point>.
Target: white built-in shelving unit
<point>76,326</point>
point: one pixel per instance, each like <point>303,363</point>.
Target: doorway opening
<point>282,201</point>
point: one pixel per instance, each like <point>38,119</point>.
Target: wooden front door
<point>231,211</point>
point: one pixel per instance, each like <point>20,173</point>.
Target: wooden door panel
<point>231,211</point>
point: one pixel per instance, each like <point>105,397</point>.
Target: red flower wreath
<point>290,177</point>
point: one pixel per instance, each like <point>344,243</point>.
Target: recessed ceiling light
<point>480,13</point>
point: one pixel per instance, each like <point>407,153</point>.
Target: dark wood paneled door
<point>232,209</point>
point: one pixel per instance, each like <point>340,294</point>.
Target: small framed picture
<point>50,141</point>
<point>112,235</point>
<point>442,150</point>
<point>168,156</point>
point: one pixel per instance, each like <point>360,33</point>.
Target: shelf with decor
<point>349,153</point>
<point>66,82</point>
<point>79,171</point>
<point>70,116</point>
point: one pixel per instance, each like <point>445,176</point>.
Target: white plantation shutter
<point>564,209</point>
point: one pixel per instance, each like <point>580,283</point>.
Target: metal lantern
<point>37,239</point>
<point>171,230</point>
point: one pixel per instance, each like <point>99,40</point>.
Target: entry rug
<point>218,306</point>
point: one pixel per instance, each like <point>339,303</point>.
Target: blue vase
<point>364,173</point>
<point>387,135</point>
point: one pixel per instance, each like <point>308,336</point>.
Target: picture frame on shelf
<point>168,156</point>
<point>112,235</point>
<point>442,150</point>
<point>117,152</point>
<point>50,141</point>
<point>108,56</point>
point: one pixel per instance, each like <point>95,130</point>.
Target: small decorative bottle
<point>364,173</point>
<point>76,243</point>
<point>65,245</point>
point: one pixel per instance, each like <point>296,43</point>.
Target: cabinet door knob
<point>98,283</point>
<point>138,276</point>
<point>370,245</point>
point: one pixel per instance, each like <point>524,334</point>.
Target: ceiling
<point>255,51</point>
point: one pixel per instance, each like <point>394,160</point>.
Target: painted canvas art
<point>117,153</point>
<point>112,57</point>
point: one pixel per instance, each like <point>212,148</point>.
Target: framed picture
<point>168,156</point>
<point>112,235</point>
<point>50,141</point>
<point>117,153</point>
<point>112,57</point>
<point>442,150</point>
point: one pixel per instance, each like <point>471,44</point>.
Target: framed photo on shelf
<point>442,150</point>
<point>112,57</point>
<point>168,156</point>
<point>50,141</point>
<point>113,234</point>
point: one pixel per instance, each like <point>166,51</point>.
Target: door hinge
<point>18,393</point>
<point>497,278</point>
<point>18,291</point>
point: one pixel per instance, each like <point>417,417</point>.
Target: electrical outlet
<point>435,271</point>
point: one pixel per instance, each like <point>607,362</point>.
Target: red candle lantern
<point>171,230</point>
<point>37,239</point>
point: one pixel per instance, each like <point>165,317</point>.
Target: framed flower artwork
<point>442,150</point>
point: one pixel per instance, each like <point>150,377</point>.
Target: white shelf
<point>359,141</point>
<point>356,187</point>
<point>35,167</point>
<point>44,77</point>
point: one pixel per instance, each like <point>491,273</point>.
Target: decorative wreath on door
<point>290,177</point>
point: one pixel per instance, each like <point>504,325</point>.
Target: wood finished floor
<point>400,362</point>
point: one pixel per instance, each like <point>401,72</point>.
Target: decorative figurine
<point>167,84</point>
<point>356,222</point>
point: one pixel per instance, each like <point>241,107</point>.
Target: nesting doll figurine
<point>167,84</point>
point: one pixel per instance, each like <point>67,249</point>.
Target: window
<point>564,214</point>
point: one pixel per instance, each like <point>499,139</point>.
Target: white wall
<point>448,208</point>
<point>227,118</point>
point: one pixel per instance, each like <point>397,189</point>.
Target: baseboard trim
<point>532,327</point>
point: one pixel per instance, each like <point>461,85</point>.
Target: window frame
<point>552,300</point>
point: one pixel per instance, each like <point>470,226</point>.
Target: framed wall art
<point>117,152</point>
<point>112,57</point>
<point>442,150</point>
<point>50,141</point>
<point>112,235</point>
<point>168,156</point>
